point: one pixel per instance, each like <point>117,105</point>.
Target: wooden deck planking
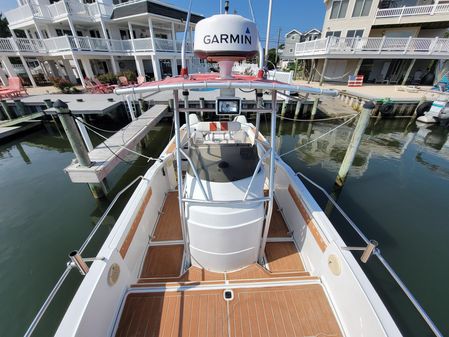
<point>163,261</point>
<point>107,154</point>
<point>169,224</point>
<point>278,227</point>
<point>293,311</point>
<point>283,257</point>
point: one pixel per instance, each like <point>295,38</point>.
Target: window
<point>362,7</point>
<point>336,33</point>
<point>339,8</point>
<point>291,50</point>
<point>355,33</point>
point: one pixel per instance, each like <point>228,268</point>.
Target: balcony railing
<point>86,44</point>
<point>57,10</point>
<point>413,10</point>
<point>374,45</point>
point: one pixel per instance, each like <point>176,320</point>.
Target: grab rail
<point>66,272</point>
<point>382,260</point>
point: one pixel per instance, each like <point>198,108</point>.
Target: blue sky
<point>287,14</point>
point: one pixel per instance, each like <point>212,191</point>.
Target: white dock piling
<point>355,143</point>
<point>77,144</point>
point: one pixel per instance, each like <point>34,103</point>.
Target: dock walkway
<point>9,128</point>
<point>106,156</point>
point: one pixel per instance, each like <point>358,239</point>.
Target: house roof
<point>153,8</point>
<point>293,31</point>
<point>312,31</point>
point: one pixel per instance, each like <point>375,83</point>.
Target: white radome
<point>225,36</point>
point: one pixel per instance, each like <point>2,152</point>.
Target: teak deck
<point>169,225</point>
<point>267,310</point>
<point>272,311</point>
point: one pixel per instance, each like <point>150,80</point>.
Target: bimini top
<point>213,80</point>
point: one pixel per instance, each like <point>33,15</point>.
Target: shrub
<point>62,84</point>
<point>107,78</point>
<point>130,75</point>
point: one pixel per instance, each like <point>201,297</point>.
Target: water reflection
<point>387,139</point>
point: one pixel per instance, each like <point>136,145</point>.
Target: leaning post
<point>356,138</point>
<point>77,144</point>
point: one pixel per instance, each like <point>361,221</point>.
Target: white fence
<point>374,45</point>
<point>84,43</point>
<point>57,10</point>
<point>413,10</point>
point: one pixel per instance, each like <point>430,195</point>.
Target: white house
<point>83,38</point>
<point>392,42</point>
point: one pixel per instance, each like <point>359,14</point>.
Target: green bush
<point>62,84</point>
<point>129,74</point>
<point>107,78</point>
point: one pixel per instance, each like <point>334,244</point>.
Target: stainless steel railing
<point>66,272</point>
<point>382,260</point>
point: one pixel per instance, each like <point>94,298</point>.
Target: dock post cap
<point>369,105</point>
<point>58,104</point>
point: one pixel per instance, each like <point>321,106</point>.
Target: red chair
<point>15,84</point>
<point>106,88</point>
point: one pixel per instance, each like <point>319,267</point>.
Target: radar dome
<point>225,37</point>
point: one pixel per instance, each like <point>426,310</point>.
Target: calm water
<point>397,192</point>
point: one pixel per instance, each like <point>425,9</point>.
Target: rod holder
<point>78,262</point>
<point>368,251</point>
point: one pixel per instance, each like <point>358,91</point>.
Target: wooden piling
<point>355,143</point>
<point>6,111</point>
<point>77,144</point>
<point>21,108</point>
<point>202,106</point>
<point>421,101</point>
<point>297,109</point>
<point>314,107</point>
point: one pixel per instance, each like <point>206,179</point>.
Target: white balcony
<point>374,47</point>
<point>412,14</point>
<point>63,44</point>
<point>58,10</point>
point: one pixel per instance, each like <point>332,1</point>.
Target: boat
<point>436,112</point>
<point>221,237</point>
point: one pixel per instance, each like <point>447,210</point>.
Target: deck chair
<point>124,82</point>
<point>140,79</point>
<point>15,84</point>
<point>105,88</point>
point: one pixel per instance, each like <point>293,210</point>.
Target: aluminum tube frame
<point>184,38</point>
<point>271,179</point>
<point>225,202</point>
<point>227,85</point>
<point>268,111</point>
<point>66,272</point>
<point>255,173</point>
<point>179,174</point>
<point>382,260</point>
<point>195,173</point>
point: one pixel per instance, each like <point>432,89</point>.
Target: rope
<point>123,147</point>
<point>333,78</point>
<point>319,137</point>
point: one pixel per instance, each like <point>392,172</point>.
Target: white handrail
<point>66,272</point>
<point>412,10</point>
<point>382,260</point>
<point>374,45</point>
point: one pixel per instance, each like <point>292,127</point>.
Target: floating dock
<point>17,125</point>
<point>107,155</point>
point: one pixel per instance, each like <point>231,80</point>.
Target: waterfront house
<point>389,42</point>
<point>84,38</point>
